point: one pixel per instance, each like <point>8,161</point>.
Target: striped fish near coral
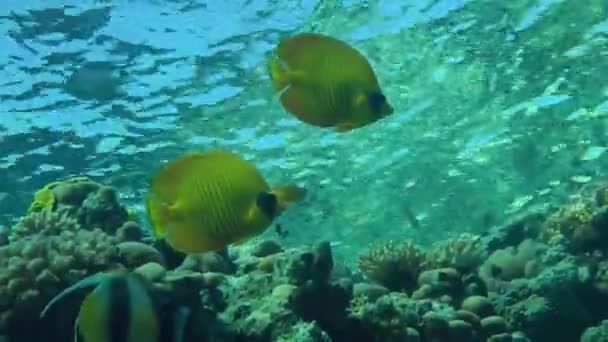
<point>120,309</point>
<point>204,201</point>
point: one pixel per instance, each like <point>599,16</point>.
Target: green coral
<point>394,266</point>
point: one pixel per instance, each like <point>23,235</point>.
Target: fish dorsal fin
<point>91,281</point>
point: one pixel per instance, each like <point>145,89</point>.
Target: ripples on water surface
<point>500,105</point>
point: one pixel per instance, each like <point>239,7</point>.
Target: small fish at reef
<point>120,308</point>
<point>408,214</point>
<point>325,82</point>
<point>205,201</point>
<point>280,231</point>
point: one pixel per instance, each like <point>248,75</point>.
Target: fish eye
<point>376,100</point>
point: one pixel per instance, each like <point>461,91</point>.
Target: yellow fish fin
<point>278,74</point>
<point>252,214</point>
<point>161,215</point>
<point>287,194</point>
<point>283,77</point>
<point>189,237</point>
<point>344,127</point>
<point>301,78</point>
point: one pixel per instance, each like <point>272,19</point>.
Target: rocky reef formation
<point>512,284</point>
<point>74,231</point>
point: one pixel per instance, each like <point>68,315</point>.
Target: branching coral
<point>464,253</point>
<point>395,266</point>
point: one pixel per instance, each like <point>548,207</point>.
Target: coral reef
<point>464,253</point>
<point>54,253</point>
<point>509,285</point>
<point>67,235</point>
<point>583,222</point>
<point>92,204</point>
<point>395,266</point>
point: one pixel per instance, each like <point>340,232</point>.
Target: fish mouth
<point>388,110</point>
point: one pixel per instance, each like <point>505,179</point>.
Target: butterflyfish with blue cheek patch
<point>325,82</point>
<point>204,201</point>
<point>120,309</point>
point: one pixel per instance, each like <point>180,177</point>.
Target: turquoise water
<point>499,106</point>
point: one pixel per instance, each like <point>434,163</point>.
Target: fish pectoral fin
<point>360,100</point>
<point>251,214</point>
<point>299,77</point>
<point>161,215</point>
<point>278,71</point>
<point>280,93</point>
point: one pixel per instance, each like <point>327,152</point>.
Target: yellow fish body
<point>205,201</point>
<point>327,83</point>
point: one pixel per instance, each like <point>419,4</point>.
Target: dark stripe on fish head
<point>267,203</point>
<point>119,310</point>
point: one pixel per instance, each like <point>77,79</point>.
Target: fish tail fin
<point>287,194</point>
<point>158,215</point>
<point>279,74</point>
